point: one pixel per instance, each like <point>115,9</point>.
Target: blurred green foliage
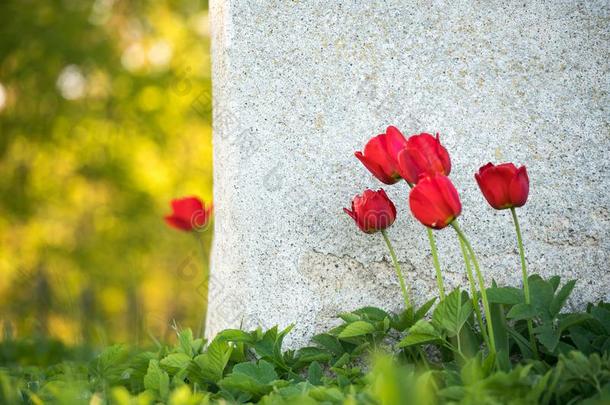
<point>104,117</point>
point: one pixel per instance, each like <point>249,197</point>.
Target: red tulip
<point>504,186</point>
<point>435,202</point>
<point>373,211</point>
<point>189,214</point>
<point>423,155</point>
<point>381,155</point>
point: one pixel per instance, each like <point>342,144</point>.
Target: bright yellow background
<point>104,117</point>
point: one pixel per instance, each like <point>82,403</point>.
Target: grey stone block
<point>300,85</point>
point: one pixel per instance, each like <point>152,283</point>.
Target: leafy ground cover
<point>426,355</point>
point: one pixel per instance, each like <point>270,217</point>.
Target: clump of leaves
<point>426,355</point>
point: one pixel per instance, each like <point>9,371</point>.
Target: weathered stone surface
<point>300,85</point>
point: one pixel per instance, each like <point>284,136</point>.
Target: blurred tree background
<point>105,114</point>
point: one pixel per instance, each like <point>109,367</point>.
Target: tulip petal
<point>185,207</point>
<point>350,213</point>
<point>375,169</point>
<point>407,167</point>
<point>435,202</point>
<point>494,185</point>
<point>443,156</point>
<point>450,196</point>
<point>519,187</point>
<point>423,207</point>
<point>178,223</point>
<point>394,142</point>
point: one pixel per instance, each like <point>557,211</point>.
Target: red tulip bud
<point>504,186</point>
<point>423,155</point>
<point>373,211</point>
<point>189,214</point>
<point>434,201</point>
<point>381,155</point>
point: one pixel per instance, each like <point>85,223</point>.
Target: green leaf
<point>371,313</point>
<point>236,335</point>
<point>560,298</point>
<point>270,346</point>
<point>310,354</point>
<point>582,339</point>
<point>521,311</point>
<point>330,343</point>
<point>252,378</point>
<point>109,365</point>
<point>603,317</point>
<point>185,337</point>
<point>566,321</point>
<point>314,373</point>
<point>349,317</point>
<point>176,361</point>
<point>554,282</point>
<point>156,379</point>
<point>262,373</point>
<point>343,360</point>
<point>505,295</point>
<point>542,294</point>
<point>501,335</point>
<point>452,393</point>
<point>212,363</point>
<point>423,310</point>
<point>452,312</point>
<point>547,336</point>
<point>357,328</point>
<point>421,333</point>
<point>523,343</point>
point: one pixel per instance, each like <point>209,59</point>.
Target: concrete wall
<point>300,85</point>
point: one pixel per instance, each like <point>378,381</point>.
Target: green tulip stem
<point>477,269</point>
<point>526,286</point>
<point>437,266</point>
<point>401,279</point>
<point>473,291</point>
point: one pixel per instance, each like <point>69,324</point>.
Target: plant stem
<point>437,266</point>
<point>526,286</point>
<point>473,291</point>
<point>477,269</point>
<point>401,280</point>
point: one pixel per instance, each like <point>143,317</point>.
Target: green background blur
<point>104,117</point>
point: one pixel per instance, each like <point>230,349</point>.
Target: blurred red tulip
<point>381,154</point>
<point>373,211</point>
<point>504,186</point>
<point>189,214</point>
<point>434,201</point>
<point>423,154</point>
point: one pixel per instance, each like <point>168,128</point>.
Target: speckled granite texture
<point>300,85</point>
